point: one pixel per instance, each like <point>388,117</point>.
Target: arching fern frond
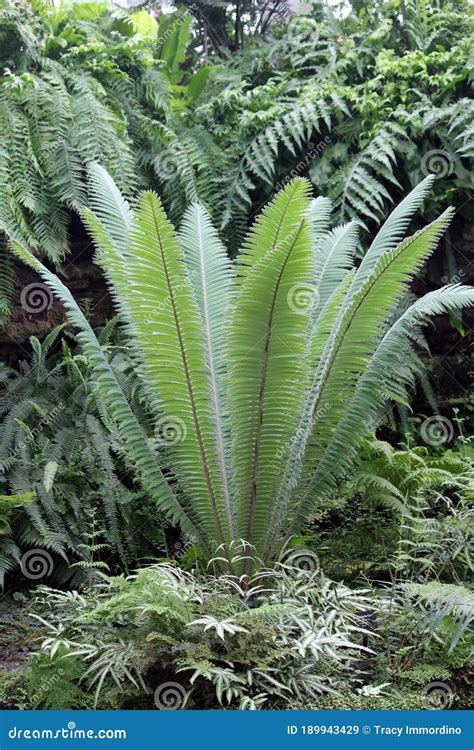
<point>135,442</point>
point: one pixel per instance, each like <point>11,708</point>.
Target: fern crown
<point>262,376</point>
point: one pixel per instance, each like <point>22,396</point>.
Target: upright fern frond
<point>168,328</point>
<point>267,340</point>
<point>211,276</point>
<point>357,333</point>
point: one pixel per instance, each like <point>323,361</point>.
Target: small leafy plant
<point>292,634</point>
<point>402,512</point>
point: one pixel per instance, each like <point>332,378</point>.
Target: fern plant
<point>78,83</point>
<point>264,375</point>
<point>57,442</point>
<point>401,512</point>
<point>8,549</point>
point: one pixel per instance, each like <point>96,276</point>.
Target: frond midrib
<point>189,386</point>
<point>214,388</point>
<point>266,350</point>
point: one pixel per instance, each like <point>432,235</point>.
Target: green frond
<point>387,365</point>
<point>362,185</point>
<point>267,339</point>
<point>168,329</point>
<point>334,257</point>
<point>211,275</point>
<point>7,278</point>
<point>338,424</point>
<point>295,450</point>
<point>393,230</point>
<point>319,216</point>
<point>134,440</point>
<point>109,205</point>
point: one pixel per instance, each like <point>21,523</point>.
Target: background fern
<point>57,442</point>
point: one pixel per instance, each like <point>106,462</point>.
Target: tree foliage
<point>364,105</point>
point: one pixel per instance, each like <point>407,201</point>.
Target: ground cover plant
<point>244,487</point>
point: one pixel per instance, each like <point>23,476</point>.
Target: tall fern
<point>269,373</point>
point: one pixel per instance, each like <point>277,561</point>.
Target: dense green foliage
<point>365,106</point>
<point>80,83</point>
<point>419,522</point>
<point>56,442</point>
<point>294,638</point>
